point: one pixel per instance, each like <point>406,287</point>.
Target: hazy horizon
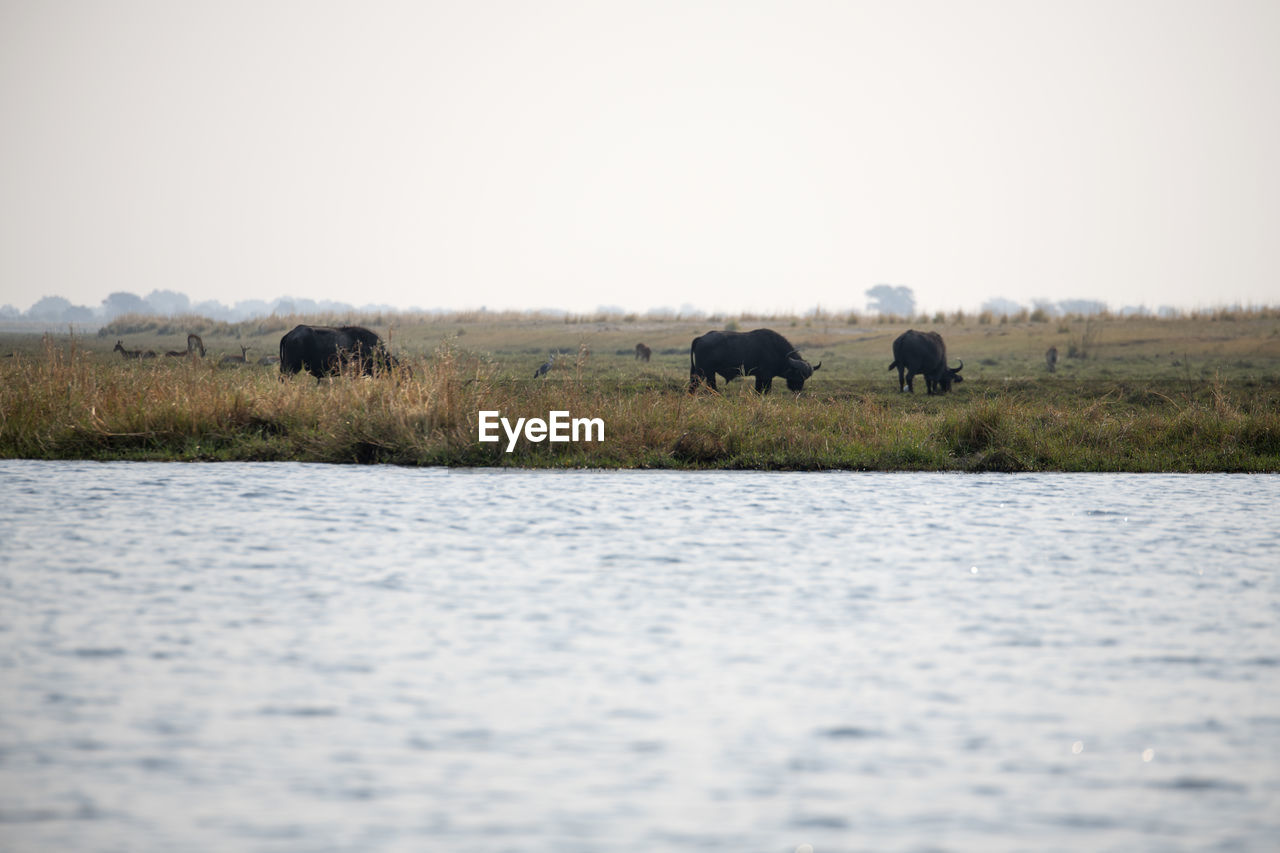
<point>760,157</point>
<point>285,306</point>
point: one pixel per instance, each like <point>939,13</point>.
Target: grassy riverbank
<point>1191,394</point>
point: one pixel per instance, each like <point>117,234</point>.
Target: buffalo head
<point>951,375</point>
<point>798,370</point>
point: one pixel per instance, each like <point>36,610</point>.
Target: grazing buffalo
<point>924,353</point>
<point>643,352</point>
<point>1051,359</point>
<point>325,350</point>
<point>762,353</point>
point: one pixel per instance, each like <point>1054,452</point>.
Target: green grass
<point>1191,394</point>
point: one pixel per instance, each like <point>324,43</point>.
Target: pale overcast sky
<point>732,155</point>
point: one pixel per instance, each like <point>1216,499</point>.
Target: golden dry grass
<point>1189,394</point>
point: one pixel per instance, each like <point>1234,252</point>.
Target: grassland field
<point>1196,393</point>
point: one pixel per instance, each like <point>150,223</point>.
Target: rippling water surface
<point>289,657</point>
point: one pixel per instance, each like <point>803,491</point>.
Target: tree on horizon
<point>59,309</point>
<point>887,299</point>
<point>123,302</point>
<point>168,302</point>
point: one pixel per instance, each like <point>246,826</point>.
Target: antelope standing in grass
<point>235,359</point>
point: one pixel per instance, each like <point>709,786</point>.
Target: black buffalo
<point>924,353</point>
<point>325,350</point>
<point>762,353</point>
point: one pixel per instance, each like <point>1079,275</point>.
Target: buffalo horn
<point>802,366</point>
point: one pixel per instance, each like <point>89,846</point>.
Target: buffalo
<point>326,350</point>
<point>762,353</point>
<point>643,352</point>
<point>924,353</point>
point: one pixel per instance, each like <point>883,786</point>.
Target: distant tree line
<point>169,303</point>
<point>899,301</point>
<point>884,299</point>
<point>1064,307</point>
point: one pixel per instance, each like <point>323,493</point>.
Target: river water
<point>284,657</point>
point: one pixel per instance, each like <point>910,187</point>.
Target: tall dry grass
<point>65,402</point>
